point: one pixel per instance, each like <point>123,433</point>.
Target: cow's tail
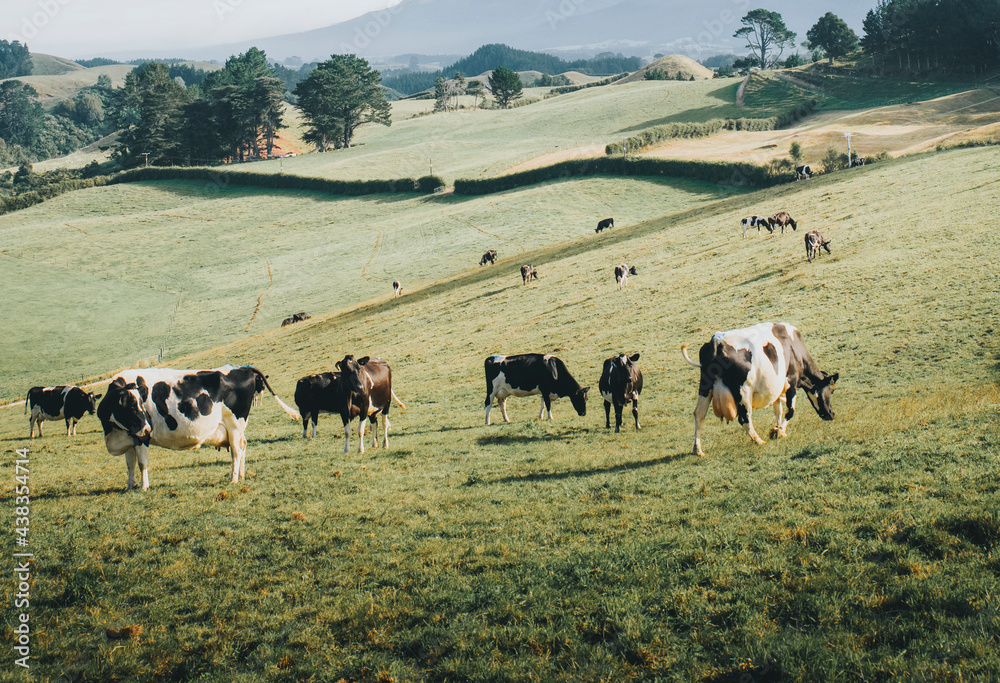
<point>396,399</point>
<point>292,412</point>
<point>684,352</point>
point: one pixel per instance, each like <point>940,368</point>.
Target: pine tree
<point>505,86</point>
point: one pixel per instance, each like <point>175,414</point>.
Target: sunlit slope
<point>470,144</point>
<point>111,276</point>
<point>895,308</point>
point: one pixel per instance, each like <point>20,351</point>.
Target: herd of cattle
<point>741,370</point>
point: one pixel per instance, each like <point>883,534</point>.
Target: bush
<point>275,181</point>
<point>833,161</point>
<point>429,184</point>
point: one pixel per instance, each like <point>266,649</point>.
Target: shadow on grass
<point>571,474</point>
<point>513,439</point>
<point>71,494</point>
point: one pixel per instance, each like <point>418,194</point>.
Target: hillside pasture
<point>182,266</point>
<point>54,88</point>
<point>858,549</point>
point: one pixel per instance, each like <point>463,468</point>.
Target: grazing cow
<point>179,410</point>
<point>803,172</point>
<point>621,382</point>
<point>315,394</point>
<point>489,257</point>
<point>606,223</point>
<point>528,272</point>
<point>364,390</point>
<point>758,366</point>
<point>621,274</point>
<point>397,289</point>
<point>781,218</point>
<point>298,317</point>
<point>52,403</point>
<point>755,222</point>
<point>529,374</point>
<point>815,241</point>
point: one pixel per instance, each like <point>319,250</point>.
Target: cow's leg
<point>700,411</point>
<point>374,420</point>
<point>305,425</point>
<point>778,431</point>
<point>618,416</point>
<point>635,412</point>
<point>69,427</point>
<point>130,463</point>
<point>607,414</point>
<point>489,404</point>
<point>503,408</point>
<point>347,435</point>
<point>546,407</point>
<point>31,425</point>
<point>385,430</point>
<point>361,433</point>
<point>744,411</point>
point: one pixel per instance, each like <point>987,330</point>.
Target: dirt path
<point>260,298</point>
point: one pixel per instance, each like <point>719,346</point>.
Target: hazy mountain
<point>574,27</point>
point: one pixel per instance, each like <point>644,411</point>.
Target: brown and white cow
<point>528,374</point>
<point>364,391</point>
<point>397,289</point>
<point>814,242</point>
<point>621,274</point>
<point>527,273</point>
<point>754,367</point>
<point>621,382</point>
<point>489,257</point>
<point>53,403</point>
<point>803,172</point>
<point>179,410</point>
<point>781,218</point>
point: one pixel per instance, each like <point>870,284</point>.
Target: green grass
<point>859,549</point>
<point>104,278</point>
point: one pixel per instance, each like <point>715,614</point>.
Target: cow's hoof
<point>757,440</point>
<point>778,433</point>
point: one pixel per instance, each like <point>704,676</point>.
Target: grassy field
<point>105,278</point>
<point>862,549</point>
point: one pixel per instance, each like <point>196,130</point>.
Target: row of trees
<point>15,60</point>
<point>767,37</point>
<point>504,84</point>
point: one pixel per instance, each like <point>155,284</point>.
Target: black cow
<point>397,289</point>
<point>763,365</point>
<point>180,410</point>
<point>621,382</point>
<point>803,172</point>
<point>52,403</point>
<point>315,394</point>
<point>298,317</point>
<point>529,374</point>
<point>606,223</point>
<point>489,257</point>
<point>815,241</point>
<point>364,390</point>
<point>621,274</point>
<point>527,273</point>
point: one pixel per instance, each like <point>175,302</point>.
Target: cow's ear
<point>337,365</point>
<point>833,378</point>
<point>97,396</point>
<point>364,361</point>
<point>584,391</point>
<point>553,368</point>
<point>140,384</point>
<point>634,358</point>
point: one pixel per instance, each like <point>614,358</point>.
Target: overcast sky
<point>85,28</point>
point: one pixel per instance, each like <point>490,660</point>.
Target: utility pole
<point>145,154</point>
<point>431,162</point>
<point>849,155</point>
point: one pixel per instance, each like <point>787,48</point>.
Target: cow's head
<point>92,402</point>
<point>122,409</point>
<point>820,393</point>
<point>579,400</point>
<point>351,372</point>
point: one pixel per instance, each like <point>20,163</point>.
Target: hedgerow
<point>673,131</point>
<point>722,172</point>
<point>274,181</point>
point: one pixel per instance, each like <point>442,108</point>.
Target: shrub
<point>429,184</point>
<point>834,161</point>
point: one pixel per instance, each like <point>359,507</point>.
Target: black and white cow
<point>362,389</point>
<point>527,273</point>
<point>397,289</point>
<point>755,222</point>
<point>54,403</point>
<point>528,374</point>
<point>606,223</point>
<point>814,242</point>
<point>621,274</point>
<point>763,365</point>
<point>489,257</point>
<point>803,172</point>
<point>179,410</point>
<point>621,382</point>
